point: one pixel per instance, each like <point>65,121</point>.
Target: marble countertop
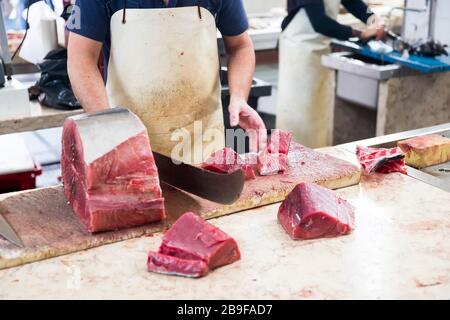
<point>399,250</point>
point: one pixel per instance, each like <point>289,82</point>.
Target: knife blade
<point>216,187</point>
<point>7,232</point>
<point>398,43</point>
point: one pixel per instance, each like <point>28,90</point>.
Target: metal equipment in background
<point>5,57</point>
<point>363,68</point>
<point>359,77</point>
<point>425,20</point>
<point>14,99</point>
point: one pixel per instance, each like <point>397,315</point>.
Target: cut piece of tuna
<point>426,151</point>
<point>170,265</point>
<point>272,164</point>
<point>249,172</point>
<point>274,160</point>
<point>192,238</point>
<point>311,211</point>
<point>250,159</point>
<point>228,161</point>
<point>381,160</point>
<point>109,174</point>
<point>279,142</point>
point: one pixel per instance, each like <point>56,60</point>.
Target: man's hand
<point>241,114</point>
<point>241,67</point>
<point>376,29</point>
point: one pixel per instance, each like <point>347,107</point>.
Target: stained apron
<point>304,98</point>
<point>164,66</point>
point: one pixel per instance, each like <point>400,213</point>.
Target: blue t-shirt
<point>95,15</point>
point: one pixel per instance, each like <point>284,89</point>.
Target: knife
<point>398,43</point>
<point>7,232</point>
<point>216,187</point>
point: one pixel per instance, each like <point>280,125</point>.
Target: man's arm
<point>325,25</point>
<point>329,27</point>
<point>358,8</point>
<point>375,26</point>
<point>241,67</point>
<point>85,77</point>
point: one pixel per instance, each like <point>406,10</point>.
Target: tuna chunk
<point>250,159</point>
<point>228,161</point>
<point>193,238</point>
<point>174,266</point>
<point>426,151</point>
<point>381,160</point>
<point>249,172</point>
<point>192,247</point>
<point>311,211</point>
<point>274,159</point>
<point>272,164</point>
<point>280,142</point>
<point>110,177</point>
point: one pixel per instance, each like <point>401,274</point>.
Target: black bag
<point>53,88</point>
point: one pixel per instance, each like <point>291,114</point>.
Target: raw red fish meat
<point>250,159</point>
<point>164,264</point>
<point>279,142</point>
<point>311,211</point>
<point>192,238</point>
<point>381,160</point>
<point>272,164</point>
<point>228,161</point>
<point>426,151</point>
<point>249,172</point>
<point>274,160</point>
<point>109,173</point>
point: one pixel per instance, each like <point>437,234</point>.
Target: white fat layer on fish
<point>105,131</point>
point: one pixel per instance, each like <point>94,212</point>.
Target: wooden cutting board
<point>49,228</point>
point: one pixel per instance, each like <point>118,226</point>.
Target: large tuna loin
<point>109,173</point>
<point>311,211</point>
<point>192,247</point>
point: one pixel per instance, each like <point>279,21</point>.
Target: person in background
<point>304,87</point>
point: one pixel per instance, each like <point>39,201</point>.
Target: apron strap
<point>124,18</point>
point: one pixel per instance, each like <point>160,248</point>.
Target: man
<point>304,91</point>
<point>162,63</point>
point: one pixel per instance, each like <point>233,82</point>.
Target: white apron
<point>164,66</point>
<point>304,98</point>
